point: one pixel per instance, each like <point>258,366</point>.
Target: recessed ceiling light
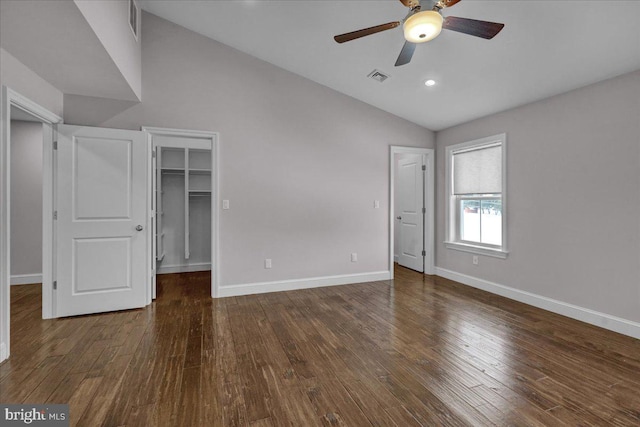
<point>430,82</point>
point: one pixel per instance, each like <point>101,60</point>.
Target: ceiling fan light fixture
<point>423,26</point>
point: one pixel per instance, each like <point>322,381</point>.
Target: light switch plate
<point>225,204</point>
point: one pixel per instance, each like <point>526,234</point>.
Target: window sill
<point>496,253</point>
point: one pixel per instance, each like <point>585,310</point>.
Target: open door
<point>101,233</point>
<point>411,211</point>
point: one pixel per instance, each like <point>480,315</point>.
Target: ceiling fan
<point>423,25</point>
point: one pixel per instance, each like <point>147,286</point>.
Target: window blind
<point>478,171</point>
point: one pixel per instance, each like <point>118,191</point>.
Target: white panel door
<point>410,217</point>
<point>101,202</point>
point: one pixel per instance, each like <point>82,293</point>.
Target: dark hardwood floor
<point>416,351</point>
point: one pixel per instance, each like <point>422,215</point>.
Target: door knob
<point>398,217</point>
<point>139,228</point>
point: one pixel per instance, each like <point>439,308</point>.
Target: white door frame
<point>214,137</point>
<point>429,199</point>
<point>10,99</point>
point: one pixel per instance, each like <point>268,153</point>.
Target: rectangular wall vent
<point>378,76</point>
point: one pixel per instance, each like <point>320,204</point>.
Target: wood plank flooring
<point>417,351</point>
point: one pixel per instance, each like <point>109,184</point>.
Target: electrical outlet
<point>267,263</point>
<point>475,260</point>
<point>354,257</point>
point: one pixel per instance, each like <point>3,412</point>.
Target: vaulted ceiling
<point>546,48</point>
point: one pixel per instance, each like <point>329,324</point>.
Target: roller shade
<point>478,171</point>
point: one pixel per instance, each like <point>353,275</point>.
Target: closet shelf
<point>176,171</point>
<point>199,193</point>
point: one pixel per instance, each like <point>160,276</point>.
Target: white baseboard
<point>3,352</point>
<point>603,320</point>
<point>290,285</point>
<point>168,269</point>
<point>25,279</point>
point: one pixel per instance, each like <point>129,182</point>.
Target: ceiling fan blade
<point>365,32</point>
<point>405,54</point>
<point>449,3</point>
<point>484,29</point>
<point>411,3</point>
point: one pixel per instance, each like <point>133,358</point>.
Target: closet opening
<point>184,200</point>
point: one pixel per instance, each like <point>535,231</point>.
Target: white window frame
<point>452,213</point>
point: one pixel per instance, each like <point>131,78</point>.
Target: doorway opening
<point>26,199</point>
<point>411,209</point>
<point>26,240</point>
<point>184,200</point>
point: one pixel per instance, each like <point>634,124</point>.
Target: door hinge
<point>55,144</point>
<point>153,154</point>
<point>424,210</point>
<point>55,214</point>
<point>55,285</point>
<point>424,253</point>
<point>424,167</point>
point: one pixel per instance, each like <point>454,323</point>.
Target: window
<point>476,189</point>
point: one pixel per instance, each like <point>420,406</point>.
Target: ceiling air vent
<point>378,76</point>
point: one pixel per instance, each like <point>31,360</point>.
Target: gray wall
<point>109,19</point>
<point>26,198</point>
<point>300,163</point>
<point>17,76</point>
<point>573,198</point>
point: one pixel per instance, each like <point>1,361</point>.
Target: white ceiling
<point>546,48</point>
